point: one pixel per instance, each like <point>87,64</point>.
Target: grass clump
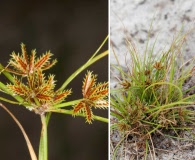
<point>151,98</point>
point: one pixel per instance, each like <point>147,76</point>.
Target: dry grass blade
<point>30,148</point>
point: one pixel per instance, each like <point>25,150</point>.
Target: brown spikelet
<point>43,60</point>
<point>89,114</point>
<point>40,78</point>
<point>78,108</point>
<point>21,63</point>
<point>88,83</point>
<point>51,80</point>
<point>158,65</point>
<point>49,65</point>
<point>24,66</point>
<point>59,97</point>
<point>93,96</point>
<point>24,53</point>
<point>44,97</point>
<point>17,64</point>
<point>101,90</point>
<point>15,71</point>
<point>101,104</point>
<point>32,59</point>
<point>17,90</point>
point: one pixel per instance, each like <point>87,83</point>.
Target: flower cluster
<point>94,95</point>
<point>32,85</point>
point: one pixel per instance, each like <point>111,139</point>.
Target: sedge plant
<point>31,88</point>
<point>150,98</point>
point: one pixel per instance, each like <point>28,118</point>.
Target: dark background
<point>72,30</point>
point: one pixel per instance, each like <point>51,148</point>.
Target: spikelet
<point>93,96</point>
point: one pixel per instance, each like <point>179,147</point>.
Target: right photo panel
<point>152,80</point>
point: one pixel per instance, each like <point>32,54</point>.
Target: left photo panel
<point>54,80</point>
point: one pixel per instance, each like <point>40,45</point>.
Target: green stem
<point>7,74</point>
<point>43,146</point>
<point>48,115</point>
<point>9,101</point>
<point>87,64</point>
<point>71,103</point>
<point>71,112</point>
<point>163,107</point>
<point>96,52</point>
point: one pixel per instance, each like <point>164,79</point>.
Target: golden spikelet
<point>93,96</point>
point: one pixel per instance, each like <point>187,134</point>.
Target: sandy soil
<point>132,19</point>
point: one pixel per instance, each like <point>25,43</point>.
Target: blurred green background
<point>72,30</point>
